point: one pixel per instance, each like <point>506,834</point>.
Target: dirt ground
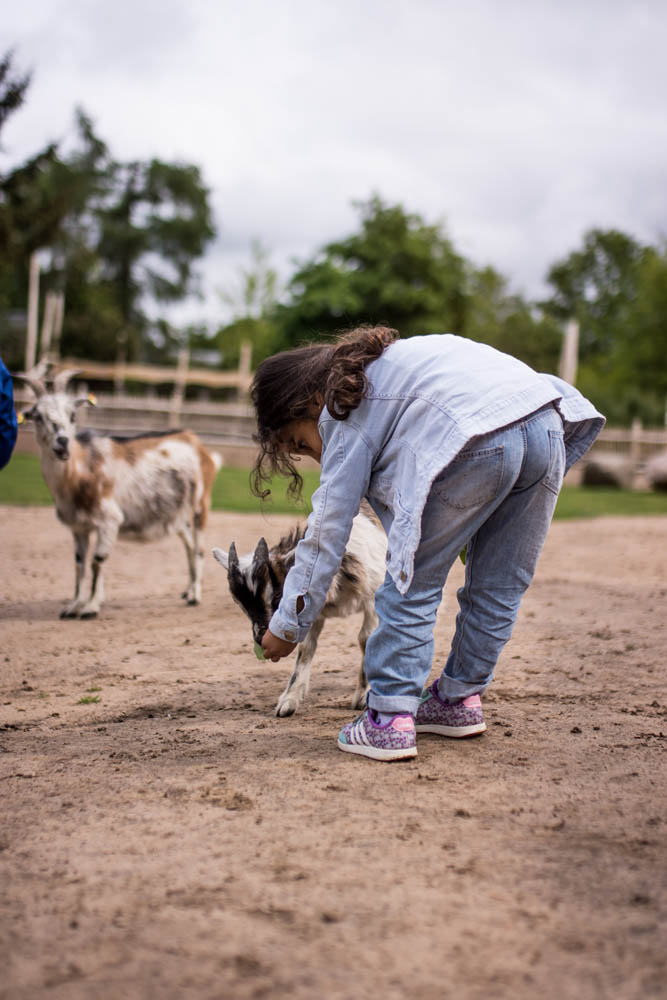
<point>164,835</point>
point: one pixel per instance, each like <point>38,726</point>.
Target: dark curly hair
<point>287,385</point>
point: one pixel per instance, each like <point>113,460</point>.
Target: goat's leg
<point>80,552</point>
<point>367,626</point>
<point>106,536</point>
<point>199,558</point>
<point>297,686</point>
<point>192,593</point>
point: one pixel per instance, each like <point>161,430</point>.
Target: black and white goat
<point>143,486</point>
<point>256,584</point>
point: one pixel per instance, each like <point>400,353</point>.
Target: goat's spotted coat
<point>142,487</point>
<point>256,584</point>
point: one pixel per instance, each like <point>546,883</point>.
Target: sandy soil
<point>173,839</point>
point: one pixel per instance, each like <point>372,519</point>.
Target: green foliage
<point>396,271</point>
<point>642,353</point>
<point>119,235</point>
<point>258,331</point>
<point>506,322</point>
<point>399,271</point>
<point>149,225</point>
<point>12,88</point>
<point>595,285</point>
<point>617,289</point>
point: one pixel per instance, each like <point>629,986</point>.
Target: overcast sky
<point>517,124</point>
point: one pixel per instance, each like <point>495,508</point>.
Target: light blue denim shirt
<point>428,397</point>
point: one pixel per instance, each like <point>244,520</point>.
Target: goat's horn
<point>62,378</point>
<point>35,384</point>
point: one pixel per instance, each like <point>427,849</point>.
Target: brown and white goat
<point>256,584</point>
<point>143,486</point>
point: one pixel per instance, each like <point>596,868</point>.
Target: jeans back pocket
<point>472,479</point>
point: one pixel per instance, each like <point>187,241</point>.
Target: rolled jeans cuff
<point>393,705</point>
<point>455,690</point>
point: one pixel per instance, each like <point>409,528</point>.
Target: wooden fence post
<point>570,352</point>
<point>635,441</point>
<point>58,324</point>
<point>33,312</point>
<point>180,382</point>
<point>48,323</point>
<point>244,365</point>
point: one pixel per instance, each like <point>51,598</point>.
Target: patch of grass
<point>600,501</point>
<point>93,689</point>
<point>231,491</point>
<point>21,483</point>
<point>89,699</point>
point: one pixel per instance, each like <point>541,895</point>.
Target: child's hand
<point>275,648</point>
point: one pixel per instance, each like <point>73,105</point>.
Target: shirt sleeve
<point>8,422</point>
<point>346,469</point>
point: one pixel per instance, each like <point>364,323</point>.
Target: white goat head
<point>53,412</point>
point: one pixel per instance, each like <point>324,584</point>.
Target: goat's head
<point>53,412</point>
<point>256,582</point>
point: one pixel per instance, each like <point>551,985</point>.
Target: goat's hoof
<point>283,709</point>
<point>358,700</point>
<point>192,602</point>
<point>68,614</point>
<point>88,614</point>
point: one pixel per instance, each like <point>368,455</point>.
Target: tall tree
<point>613,287</point>
<point>13,88</point>
<point>396,270</point>
<point>30,213</point>
<point>507,322</point>
<point>642,356</point>
<point>121,235</point>
<point>596,285</point>
<point>147,227</point>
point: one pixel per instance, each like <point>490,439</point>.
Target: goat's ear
<point>288,559</point>
<point>222,557</point>
<point>260,559</point>
<point>89,400</point>
<point>233,559</point>
<point>261,552</point>
<point>26,415</point>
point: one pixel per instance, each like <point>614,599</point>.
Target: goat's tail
<point>218,460</point>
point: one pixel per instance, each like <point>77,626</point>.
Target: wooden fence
<point>229,425</point>
<point>637,442</point>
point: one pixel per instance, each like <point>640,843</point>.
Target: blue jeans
<point>497,497</point>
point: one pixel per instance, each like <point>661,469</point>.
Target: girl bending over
<point>455,445</point>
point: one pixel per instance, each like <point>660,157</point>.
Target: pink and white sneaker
<point>395,740</point>
<point>449,718</point>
